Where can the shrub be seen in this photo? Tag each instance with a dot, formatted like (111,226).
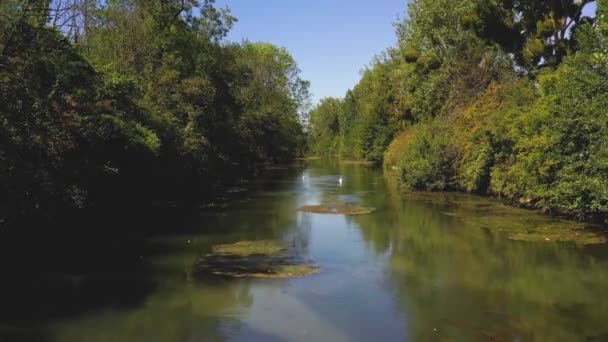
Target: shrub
(428,160)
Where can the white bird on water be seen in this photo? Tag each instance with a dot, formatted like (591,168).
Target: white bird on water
(340,180)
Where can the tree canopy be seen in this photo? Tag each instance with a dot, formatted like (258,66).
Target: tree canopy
(109,102)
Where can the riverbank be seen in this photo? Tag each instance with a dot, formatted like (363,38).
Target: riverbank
(515,219)
(490,212)
(482,111)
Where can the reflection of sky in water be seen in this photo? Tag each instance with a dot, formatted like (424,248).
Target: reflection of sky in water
(348,291)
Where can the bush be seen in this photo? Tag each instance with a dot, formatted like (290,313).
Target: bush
(428,161)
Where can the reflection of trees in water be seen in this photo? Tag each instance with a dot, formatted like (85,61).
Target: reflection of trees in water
(190,313)
(474,284)
(182,309)
(359,180)
(299,238)
(268,214)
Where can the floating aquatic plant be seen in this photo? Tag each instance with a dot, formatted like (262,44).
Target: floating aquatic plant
(255,259)
(338,208)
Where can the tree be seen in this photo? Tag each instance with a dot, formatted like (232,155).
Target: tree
(136,101)
(273,96)
(326,126)
(538,33)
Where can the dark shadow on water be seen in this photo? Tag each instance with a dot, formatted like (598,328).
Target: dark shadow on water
(87,261)
(25,334)
(90,260)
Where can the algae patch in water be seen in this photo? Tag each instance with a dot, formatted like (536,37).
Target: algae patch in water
(514,223)
(336,209)
(249,248)
(255,259)
(357,162)
(534,227)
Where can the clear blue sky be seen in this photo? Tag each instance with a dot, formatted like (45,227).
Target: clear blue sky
(589,10)
(332,40)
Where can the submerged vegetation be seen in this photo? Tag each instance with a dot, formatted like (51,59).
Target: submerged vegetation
(255,259)
(503,98)
(121,102)
(513,223)
(336,208)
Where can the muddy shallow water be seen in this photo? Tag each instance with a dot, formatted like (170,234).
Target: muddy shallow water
(441,267)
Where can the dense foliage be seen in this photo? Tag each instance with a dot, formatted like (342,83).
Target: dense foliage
(114,101)
(508,98)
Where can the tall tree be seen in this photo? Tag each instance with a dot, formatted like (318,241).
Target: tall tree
(539,33)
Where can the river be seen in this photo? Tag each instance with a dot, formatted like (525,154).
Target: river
(413,270)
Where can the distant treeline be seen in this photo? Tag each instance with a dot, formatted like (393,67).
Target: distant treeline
(500,97)
(118,101)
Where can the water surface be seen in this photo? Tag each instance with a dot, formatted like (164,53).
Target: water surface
(412,270)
